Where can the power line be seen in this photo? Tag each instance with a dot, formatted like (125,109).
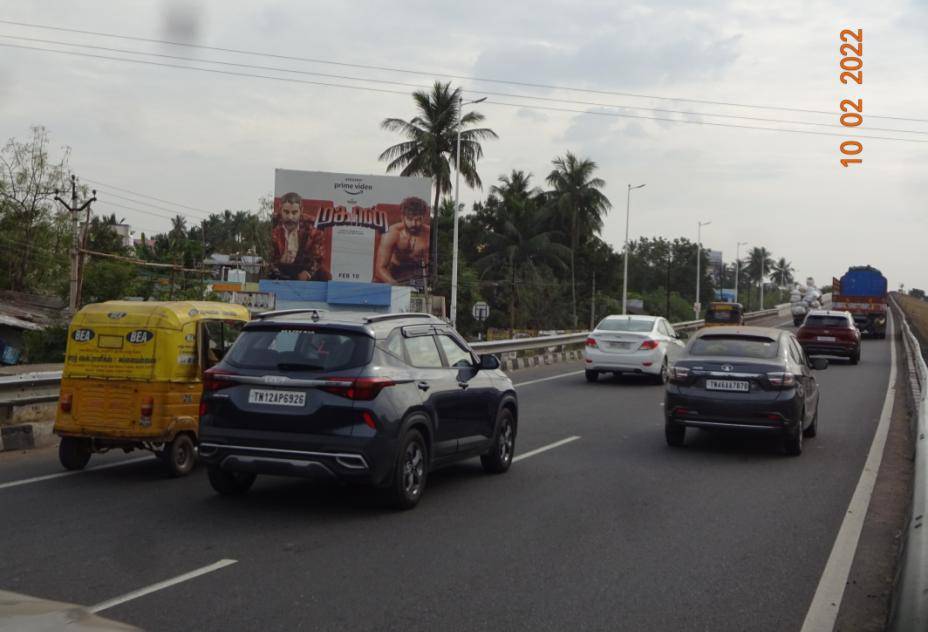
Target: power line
(437,74)
(150,197)
(469,90)
(517,105)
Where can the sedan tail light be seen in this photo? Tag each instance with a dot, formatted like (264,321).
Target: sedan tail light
(783,380)
(648,344)
(591,342)
(361,389)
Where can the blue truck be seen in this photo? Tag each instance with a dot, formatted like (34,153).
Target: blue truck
(862,292)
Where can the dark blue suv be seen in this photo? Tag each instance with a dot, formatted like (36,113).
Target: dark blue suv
(380,399)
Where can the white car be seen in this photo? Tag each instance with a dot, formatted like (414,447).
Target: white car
(632,344)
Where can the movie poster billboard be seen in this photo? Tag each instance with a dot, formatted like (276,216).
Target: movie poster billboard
(347,227)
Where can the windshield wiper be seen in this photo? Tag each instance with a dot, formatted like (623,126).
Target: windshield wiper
(299,366)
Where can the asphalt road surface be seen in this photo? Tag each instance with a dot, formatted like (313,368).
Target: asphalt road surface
(609,529)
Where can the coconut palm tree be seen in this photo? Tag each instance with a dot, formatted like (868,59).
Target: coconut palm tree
(520,248)
(783,272)
(758,266)
(579,204)
(430,148)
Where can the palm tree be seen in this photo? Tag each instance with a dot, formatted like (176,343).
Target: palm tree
(520,246)
(579,203)
(431,143)
(758,266)
(783,272)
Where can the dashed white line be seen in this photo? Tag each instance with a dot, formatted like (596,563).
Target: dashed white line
(545,448)
(546,379)
(48,477)
(141,592)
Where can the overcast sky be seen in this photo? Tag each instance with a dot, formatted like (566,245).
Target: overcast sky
(212,142)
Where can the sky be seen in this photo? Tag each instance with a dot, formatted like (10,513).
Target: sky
(209,141)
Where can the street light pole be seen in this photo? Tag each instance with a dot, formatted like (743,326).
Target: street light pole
(457,187)
(738,265)
(628,204)
(697,305)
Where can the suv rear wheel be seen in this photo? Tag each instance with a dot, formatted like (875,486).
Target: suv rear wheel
(499,457)
(230,483)
(410,472)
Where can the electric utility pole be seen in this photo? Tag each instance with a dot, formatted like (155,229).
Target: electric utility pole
(75,212)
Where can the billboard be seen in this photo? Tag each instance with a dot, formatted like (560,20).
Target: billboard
(348,227)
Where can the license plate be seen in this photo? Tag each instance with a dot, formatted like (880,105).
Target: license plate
(619,345)
(728,385)
(827,339)
(277,398)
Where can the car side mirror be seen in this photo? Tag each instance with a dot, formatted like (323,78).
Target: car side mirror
(819,364)
(488,362)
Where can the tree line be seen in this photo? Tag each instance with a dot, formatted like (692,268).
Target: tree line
(532,248)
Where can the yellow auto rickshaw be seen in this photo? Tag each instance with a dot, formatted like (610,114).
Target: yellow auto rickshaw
(724,313)
(132,377)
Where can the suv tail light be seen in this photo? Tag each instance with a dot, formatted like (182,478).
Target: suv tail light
(648,344)
(679,373)
(360,389)
(213,380)
(783,380)
(65,402)
(591,342)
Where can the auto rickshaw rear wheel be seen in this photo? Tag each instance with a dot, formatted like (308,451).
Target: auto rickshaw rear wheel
(179,455)
(74,452)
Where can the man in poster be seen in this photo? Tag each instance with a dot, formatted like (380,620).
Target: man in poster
(405,246)
(299,249)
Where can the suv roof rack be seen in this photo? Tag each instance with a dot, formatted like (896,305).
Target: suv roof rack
(286,312)
(396,316)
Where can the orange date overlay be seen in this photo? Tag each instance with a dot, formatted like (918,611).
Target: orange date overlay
(852,72)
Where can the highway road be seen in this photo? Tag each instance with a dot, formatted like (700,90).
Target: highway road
(607,529)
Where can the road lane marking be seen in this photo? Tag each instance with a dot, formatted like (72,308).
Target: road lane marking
(141,592)
(546,379)
(823,612)
(545,448)
(48,477)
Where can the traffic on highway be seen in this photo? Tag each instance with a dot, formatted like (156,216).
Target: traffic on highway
(329,316)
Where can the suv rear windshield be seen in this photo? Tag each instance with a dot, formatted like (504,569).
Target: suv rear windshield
(625,324)
(300,350)
(735,346)
(835,322)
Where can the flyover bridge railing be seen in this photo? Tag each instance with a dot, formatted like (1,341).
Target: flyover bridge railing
(542,343)
(910,597)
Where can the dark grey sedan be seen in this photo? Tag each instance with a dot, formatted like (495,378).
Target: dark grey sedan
(754,379)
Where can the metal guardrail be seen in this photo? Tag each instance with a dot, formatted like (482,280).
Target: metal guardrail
(544,342)
(910,597)
(21,389)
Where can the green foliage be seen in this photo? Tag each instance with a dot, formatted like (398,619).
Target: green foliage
(47,345)
(916,293)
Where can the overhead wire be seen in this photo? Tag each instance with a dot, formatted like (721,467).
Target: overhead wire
(476,92)
(493,102)
(436,73)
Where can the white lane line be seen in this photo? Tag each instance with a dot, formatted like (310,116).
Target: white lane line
(546,379)
(141,592)
(823,612)
(48,477)
(545,448)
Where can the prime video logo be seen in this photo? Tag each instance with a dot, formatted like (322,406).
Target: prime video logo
(353,186)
